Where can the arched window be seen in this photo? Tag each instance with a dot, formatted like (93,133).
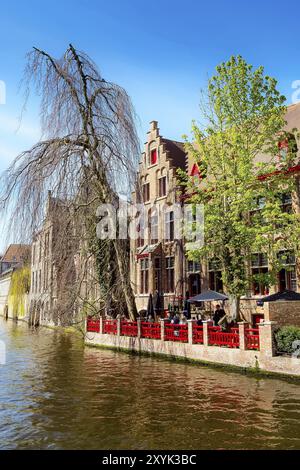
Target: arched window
(152,153)
(169,225)
(162,183)
(153,156)
(170,274)
(157,176)
(146,189)
(144,272)
(153,225)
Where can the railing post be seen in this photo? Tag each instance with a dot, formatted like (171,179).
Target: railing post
(242,334)
(162,329)
(206,323)
(139,328)
(190,330)
(266,338)
(118,326)
(101,325)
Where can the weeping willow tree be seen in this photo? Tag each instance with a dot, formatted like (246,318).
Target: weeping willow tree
(19,288)
(87,156)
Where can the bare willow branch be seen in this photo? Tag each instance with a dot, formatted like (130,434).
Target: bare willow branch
(88,155)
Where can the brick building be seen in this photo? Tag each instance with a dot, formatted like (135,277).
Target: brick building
(14,256)
(52,266)
(156,256)
(288,277)
(158,263)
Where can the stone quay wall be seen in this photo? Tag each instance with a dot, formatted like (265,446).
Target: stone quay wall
(264,359)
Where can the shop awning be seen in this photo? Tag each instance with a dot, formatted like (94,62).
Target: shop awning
(147,250)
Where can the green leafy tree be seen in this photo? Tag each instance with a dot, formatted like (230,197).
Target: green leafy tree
(242,180)
(19,288)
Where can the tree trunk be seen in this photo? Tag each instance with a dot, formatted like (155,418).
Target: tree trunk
(234,307)
(125,279)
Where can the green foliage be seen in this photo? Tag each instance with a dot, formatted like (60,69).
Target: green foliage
(106,273)
(19,287)
(285,337)
(90,308)
(244,116)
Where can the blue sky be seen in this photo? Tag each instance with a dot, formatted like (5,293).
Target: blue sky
(161,51)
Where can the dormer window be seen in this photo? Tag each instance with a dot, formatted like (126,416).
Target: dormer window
(195,174)
(283,147)
(195,170)
(153,157)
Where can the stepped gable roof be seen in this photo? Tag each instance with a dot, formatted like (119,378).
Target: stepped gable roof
(176,152)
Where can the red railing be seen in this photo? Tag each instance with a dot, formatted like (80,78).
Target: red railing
(217,337)
(93,325)
(176,332)
(252,338)
(234,330)
(150,330)
(197,334)
(110,327)
(129,328)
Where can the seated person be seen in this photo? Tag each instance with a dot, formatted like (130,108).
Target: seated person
(219,313)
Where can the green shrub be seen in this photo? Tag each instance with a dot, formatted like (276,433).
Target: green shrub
(285,337)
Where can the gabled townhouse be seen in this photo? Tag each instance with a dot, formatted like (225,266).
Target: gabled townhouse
(157,257)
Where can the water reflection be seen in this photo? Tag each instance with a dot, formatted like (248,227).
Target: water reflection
(56,394)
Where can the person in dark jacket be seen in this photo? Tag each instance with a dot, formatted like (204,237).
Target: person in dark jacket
(219,313)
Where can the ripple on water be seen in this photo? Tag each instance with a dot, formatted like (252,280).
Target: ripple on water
(56,394)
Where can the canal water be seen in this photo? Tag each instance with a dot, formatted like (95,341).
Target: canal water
(56,394)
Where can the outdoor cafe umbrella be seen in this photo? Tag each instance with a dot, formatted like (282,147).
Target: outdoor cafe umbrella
(284,295)
(157,303)
(207,296)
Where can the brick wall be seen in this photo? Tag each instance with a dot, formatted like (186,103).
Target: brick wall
(284,313)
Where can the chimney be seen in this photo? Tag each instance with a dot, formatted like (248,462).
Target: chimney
(153,125)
